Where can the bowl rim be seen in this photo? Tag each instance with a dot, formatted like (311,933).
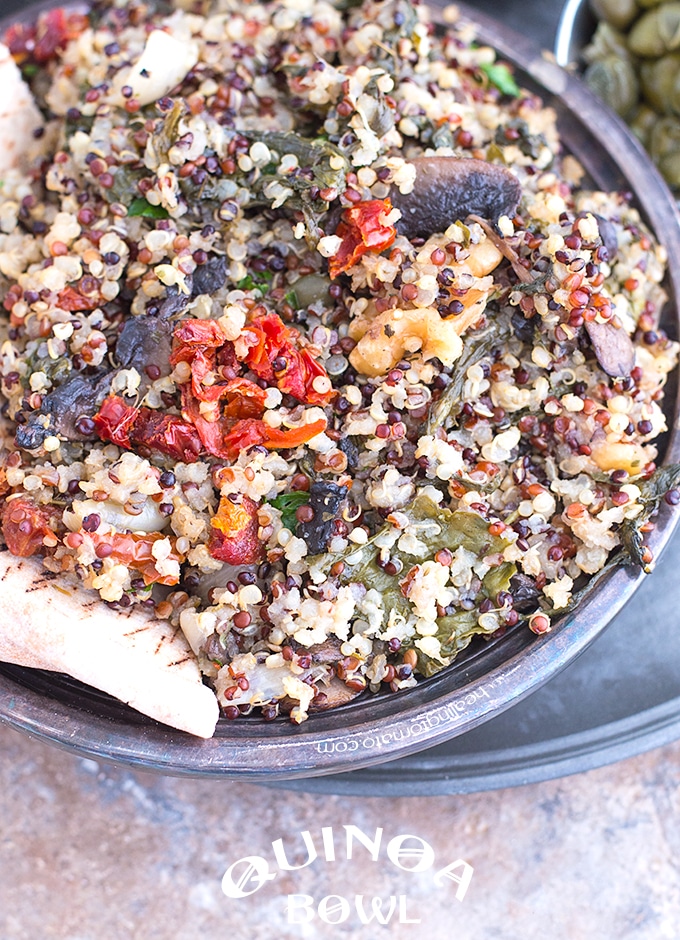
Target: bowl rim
(455,700)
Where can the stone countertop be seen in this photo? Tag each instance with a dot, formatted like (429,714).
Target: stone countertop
(91,851)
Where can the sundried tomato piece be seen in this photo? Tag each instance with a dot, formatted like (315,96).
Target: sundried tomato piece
(249,432)
(136,551)
(233,532)
(72,300)
(362,228)
(128,427)
(114,420)
(25,526)
(274,357)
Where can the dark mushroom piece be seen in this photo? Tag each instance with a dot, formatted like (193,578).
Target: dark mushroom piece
(326,653)
(325,500)
(608,235)
(175,301)
(524,592)
(449,189)
(613,348)
(144,343)
(332,695)
(209,277)
(69,409)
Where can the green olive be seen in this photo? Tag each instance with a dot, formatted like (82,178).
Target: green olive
(660,82)
(614,80)
(606,41)
(641,122)
(670,169)
(657,32)
(310,288)
(664,148)
(619,13)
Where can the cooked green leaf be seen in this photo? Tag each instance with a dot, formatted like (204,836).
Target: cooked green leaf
(652,492)
(288,504)
(477,346)
(140,206)
(501,77)
(258,280)
(435,528)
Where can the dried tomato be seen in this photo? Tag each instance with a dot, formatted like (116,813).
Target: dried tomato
(227,429)
(19,39)
(136,551)
(40,42)
(71,300)
(129,427)
(362,228)
(269,337)
(243,435)
(250,431)
(202,344)
(190,335)
(293,437)
(167,434)
(299,376)
(114,420)
(55,29)
(25,525)
(274,357)
(233,532)
(245,399)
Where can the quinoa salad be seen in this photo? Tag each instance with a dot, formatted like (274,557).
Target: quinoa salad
(313,343)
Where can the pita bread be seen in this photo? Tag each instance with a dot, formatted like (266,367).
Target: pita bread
(52,624)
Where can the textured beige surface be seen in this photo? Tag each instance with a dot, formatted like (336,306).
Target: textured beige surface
(90,851)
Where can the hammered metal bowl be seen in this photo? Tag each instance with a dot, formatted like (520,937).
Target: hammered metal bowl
(490,676)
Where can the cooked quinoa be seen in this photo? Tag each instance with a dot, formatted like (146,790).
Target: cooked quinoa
(273,369)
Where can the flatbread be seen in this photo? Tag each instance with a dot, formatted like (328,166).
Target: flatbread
(19,116)
(52,624)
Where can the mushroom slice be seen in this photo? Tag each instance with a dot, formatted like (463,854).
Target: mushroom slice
(336,692)
(449,189)
(613,348)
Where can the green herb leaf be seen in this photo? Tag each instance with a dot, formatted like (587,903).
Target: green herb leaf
(291,299)
(259,280)
(140,206)
(30,69)
(477,346)
(288,503)
(501,77)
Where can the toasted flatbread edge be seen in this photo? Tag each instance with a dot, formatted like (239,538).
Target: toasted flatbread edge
(49,623)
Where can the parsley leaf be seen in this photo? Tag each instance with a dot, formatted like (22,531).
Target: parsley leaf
(501,77)
(140,206)
(288,503)
(258,280)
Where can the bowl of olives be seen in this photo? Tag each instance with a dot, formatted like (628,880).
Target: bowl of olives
(629,55)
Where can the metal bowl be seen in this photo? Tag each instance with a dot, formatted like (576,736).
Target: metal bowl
(485,680)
